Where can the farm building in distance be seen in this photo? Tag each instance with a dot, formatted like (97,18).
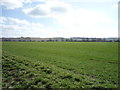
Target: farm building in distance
(33,39)
(60,39)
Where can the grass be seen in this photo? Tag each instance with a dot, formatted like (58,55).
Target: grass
(60,64)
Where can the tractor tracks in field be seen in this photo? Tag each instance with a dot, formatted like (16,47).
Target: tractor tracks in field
(31,74)
(16,73)
(98,60)
(91,77)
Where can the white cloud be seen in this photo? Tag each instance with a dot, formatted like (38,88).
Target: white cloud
(2,20)
(76,22)
(87,23)
(115,6)
(16,27)
(82,17)
(13,27)
(37,11)
(63,13)
(14,21)
(90,1)
(48,9)
(12,4)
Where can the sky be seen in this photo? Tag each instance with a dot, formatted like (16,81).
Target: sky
(59,18)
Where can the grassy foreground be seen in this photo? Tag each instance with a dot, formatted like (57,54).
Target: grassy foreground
(60,64)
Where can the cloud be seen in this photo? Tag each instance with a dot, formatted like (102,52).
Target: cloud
(48,9)
(115,6)
(91,1)
(15,27)
(58,9)
(74,22)
(64,13)
(12,4)
(2,20)
(37,11)
(87,23)
(82,17)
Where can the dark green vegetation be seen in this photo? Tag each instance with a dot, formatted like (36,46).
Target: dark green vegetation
(60,64)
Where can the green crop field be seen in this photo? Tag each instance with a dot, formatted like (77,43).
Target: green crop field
(60,64)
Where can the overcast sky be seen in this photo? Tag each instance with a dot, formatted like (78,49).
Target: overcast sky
(59,18)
